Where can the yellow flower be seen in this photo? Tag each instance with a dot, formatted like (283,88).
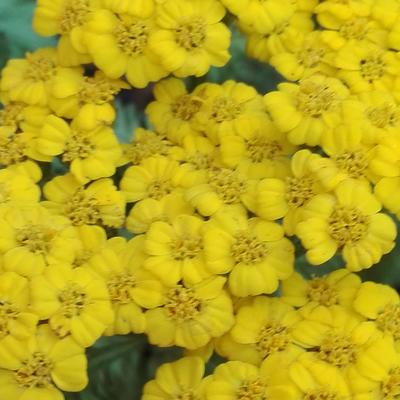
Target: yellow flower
(117,38)
(182,379)
(29,80)
(306,54)
(365,67)
(264,326)
(314,107)
(65,18)
(175,250)
(16,318)
(155,178)
(129,286)
(337,288)
(41,367)
(348,156)
(260,152)
(98,203)
(349,222)
(147,211)
(74,301)
(191,37)
(386,157)
(285,198)
(173,110)
(254,252)
(92,154)
(31,238)
(191,315)
(381,304)
(74,95)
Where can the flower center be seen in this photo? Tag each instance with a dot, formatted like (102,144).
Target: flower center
(40,68)
(251,389)
(227,184)
(299,190)
(35,372)
(78,145)
(36,238)
(159,188)
(310,56)
(182,304)
(186,247)
(354,163)
(82,209)
(186,395)
(201,161)
(320,394)
(356,28)
(388,320)
(132,35)
(8,312)
(247,249)
(260,148)
(191,34)
(73,300)
(372,68)
(391,386)
(82,258)
(11,115)
(119,287)
(12,149)
(185,107)
(320,291)
(225,109)
(272,338)
(386,115)
(97,90)
(74,14)
(347,225)
(148,145)
(314,99)
(337,350)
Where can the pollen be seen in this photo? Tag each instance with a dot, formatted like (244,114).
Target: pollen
(251,389)
(11,115)
(191,34)
(8,313)
(320,291)
(355,163)
(97,90)
(201,161)
(119,287)
(82,257)
(185,107)
(388,320)
(187,395)
(186,247)
(12,149)
(272,338)
(338,350)
(132,35)
(72,300)
(385,116)
(260,148)
(75,14)
(78,145)
(225,109)
(146,146)
(300,190)
(247,249)
(321,394)
(182,305)
(228,184)
(82,209)
(391,385)
(159,188)
(35,372)
(372,68)
(310,56)
(40,68)
(314,99)
(356,28)
(347,225)
(37,238)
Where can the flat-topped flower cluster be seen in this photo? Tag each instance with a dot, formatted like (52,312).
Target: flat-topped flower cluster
(220,194)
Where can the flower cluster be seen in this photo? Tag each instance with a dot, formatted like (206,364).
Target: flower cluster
(219,195)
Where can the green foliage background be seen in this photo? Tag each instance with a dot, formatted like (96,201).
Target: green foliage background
(119,366)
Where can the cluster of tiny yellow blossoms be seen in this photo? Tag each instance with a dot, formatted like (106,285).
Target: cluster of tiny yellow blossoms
(218,198)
